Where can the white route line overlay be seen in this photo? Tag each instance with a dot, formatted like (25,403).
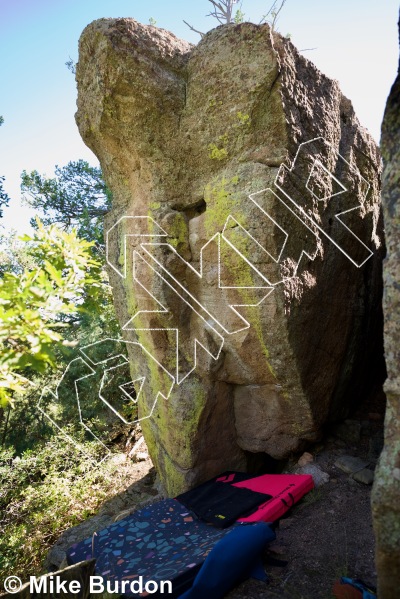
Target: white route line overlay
(343,190)
(90,364)
(160,232)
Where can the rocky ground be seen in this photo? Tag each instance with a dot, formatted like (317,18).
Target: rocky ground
(327,535)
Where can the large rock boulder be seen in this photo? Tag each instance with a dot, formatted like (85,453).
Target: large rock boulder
(252,311)
(386,492)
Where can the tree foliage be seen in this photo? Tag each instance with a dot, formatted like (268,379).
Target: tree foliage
(223,11)
(53,297)
(71,65)
(4,199)
(47,491)
(14,254)
(76,197)
(36,303)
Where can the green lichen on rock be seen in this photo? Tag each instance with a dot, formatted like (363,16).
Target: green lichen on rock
(178,231)
(222,199)
(184,134)
(218,151)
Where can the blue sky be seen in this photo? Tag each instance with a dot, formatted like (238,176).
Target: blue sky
(355,41)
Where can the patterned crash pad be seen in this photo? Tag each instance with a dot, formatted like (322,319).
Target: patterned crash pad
(164,541)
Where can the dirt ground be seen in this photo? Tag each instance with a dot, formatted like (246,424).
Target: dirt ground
(328,534)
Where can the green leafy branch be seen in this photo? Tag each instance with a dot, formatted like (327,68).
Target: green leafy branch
(36,303)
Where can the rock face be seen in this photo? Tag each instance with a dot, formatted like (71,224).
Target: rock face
(252,311)
(386,492)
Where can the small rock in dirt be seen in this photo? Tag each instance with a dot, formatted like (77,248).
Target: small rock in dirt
(348,431)
(141,456)
(350,464)
(365,476)
(136,447)
(319,476)
(306,458)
